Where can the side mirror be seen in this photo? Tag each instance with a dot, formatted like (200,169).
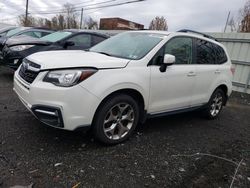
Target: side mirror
(167,61)
(68,43)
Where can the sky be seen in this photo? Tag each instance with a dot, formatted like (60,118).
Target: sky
(200,15)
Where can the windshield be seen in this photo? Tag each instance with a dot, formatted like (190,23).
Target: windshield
(14,31)
(128,45)
(5,30)
(54,37)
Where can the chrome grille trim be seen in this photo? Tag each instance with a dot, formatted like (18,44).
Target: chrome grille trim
(29,71)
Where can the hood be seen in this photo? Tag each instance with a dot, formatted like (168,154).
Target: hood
(22,40)
(76,58)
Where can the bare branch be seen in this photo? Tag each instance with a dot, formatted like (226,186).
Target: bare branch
(236,171)
(159,23)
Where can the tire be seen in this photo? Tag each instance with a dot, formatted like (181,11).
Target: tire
(215,104)
(116,119)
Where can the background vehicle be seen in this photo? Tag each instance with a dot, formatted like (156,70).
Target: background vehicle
(18,48)
(5,30)
(28,31)
(125,79)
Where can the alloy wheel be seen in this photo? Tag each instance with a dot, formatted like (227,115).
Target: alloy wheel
(216,104)
(118,121)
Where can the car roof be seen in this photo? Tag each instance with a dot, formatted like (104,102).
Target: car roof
(180,33)
(7,28)
(166,33)
(37,28)
(96,32)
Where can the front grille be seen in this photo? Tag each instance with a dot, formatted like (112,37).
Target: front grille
(29,71)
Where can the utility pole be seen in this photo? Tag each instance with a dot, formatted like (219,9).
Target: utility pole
(81,18)
(227,21)
(26,12)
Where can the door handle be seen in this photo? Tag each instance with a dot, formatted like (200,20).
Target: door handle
(217,71)
(192,73)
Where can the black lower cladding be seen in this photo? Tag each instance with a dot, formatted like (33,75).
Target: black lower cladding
(51,116)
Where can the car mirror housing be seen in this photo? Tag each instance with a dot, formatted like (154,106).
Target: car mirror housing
(68,43)
(167,61)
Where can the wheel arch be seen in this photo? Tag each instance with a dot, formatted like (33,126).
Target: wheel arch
(134,93)
(224,88)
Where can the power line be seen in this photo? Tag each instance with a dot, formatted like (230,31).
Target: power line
(60,8)
(11,18)
(91,8)
(63,9)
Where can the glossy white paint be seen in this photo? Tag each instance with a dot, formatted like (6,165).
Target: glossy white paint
(181,86)
(171,90)
(76,58)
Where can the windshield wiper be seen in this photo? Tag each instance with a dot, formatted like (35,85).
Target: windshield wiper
(104,53)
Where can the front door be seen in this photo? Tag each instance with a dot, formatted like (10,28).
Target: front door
(81,42)
(173,89)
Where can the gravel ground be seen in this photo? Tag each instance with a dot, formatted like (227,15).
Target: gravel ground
(173,151)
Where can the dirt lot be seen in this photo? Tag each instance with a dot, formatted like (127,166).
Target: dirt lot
(34,154)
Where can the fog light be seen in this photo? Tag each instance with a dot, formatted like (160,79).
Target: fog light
(16,61)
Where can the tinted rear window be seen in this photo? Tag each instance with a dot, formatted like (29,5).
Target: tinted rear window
(220,54)
(205,53)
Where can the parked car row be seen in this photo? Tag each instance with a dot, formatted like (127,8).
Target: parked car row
(121,81)
(18,43)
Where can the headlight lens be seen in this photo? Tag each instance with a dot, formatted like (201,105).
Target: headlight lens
(21,47)
(68,78)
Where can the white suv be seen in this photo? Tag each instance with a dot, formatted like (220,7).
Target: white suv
(124,80)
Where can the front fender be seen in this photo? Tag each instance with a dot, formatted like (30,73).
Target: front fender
(108,81)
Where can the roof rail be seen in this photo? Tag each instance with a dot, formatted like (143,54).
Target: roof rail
(196,32)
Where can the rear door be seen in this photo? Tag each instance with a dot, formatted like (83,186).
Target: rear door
(172,90)
(207,71)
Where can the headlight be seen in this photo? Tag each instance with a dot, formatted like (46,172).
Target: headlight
(21,47)
(68,78)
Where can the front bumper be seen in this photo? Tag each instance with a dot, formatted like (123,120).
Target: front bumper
(10,58)
(64,108)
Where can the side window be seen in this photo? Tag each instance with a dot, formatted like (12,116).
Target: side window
(44,34)
(97,39)
(220,54)
(158,57)
(205,52)
(181,48)
(37,34)
(82,40)
(29,33)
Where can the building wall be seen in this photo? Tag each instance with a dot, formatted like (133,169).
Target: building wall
(119,24)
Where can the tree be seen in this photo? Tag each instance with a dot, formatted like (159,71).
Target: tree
(31,21)
(158,23)
(67,20)
(71,16)
(244,25)
(61,21)
(91,24)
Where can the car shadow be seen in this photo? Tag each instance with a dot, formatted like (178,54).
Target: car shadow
(6,74)
(74,139)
